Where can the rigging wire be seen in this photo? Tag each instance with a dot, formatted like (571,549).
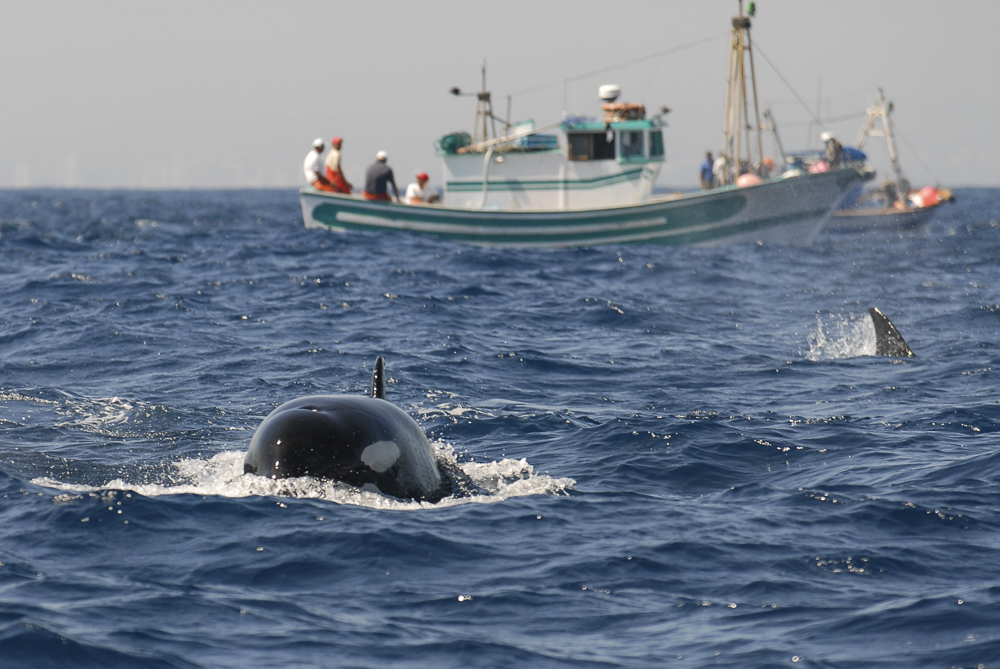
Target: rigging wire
(844,118)
(833,119)
(602,70)
(785,81)
(917,156)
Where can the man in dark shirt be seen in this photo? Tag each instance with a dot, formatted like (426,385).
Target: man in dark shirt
(377,177)
(706,171)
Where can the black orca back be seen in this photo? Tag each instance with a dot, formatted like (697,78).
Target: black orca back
(363,441)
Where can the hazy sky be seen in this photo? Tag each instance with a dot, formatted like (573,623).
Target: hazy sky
(231,94)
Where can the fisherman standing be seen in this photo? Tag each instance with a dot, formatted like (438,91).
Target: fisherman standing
(334,173)
(834,152)
(707,177)
(377,178)
(313,168)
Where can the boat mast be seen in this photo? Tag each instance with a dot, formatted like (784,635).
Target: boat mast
(756,108)
(737,104)
(484,112)
(881,110)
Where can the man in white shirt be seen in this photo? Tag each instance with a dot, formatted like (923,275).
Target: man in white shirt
(313,168)
(418,193)
(720,168)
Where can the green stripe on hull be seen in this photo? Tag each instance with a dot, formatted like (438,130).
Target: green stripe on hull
(669,233)
(562,228)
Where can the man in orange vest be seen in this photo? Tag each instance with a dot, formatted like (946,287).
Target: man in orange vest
(334,173)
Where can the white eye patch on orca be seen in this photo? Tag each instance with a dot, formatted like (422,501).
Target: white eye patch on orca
(381,455)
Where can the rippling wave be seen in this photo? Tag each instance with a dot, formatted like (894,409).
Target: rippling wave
(678,456)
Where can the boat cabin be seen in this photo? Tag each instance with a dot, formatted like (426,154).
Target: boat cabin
(585,164)
(629,142)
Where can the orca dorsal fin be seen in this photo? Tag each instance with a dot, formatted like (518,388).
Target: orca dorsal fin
(378,379)
(888,341)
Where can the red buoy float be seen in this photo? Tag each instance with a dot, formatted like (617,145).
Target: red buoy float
(929,196)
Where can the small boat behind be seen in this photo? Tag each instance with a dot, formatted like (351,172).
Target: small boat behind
(882,209)
(880,218)
(894,205)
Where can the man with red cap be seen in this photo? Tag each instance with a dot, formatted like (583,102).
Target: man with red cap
(334,173)
(418,193)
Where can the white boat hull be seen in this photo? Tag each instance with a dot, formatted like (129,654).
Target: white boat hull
(784,211)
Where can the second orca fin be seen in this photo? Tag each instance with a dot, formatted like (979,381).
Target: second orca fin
(888,341)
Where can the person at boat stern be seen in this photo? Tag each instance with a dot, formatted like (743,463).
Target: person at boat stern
(419,193)
(833,150)
(313,168)
(378,176)
(707,176)
(334,173)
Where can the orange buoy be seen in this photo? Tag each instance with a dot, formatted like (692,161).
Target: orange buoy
(929,196)
(748,179)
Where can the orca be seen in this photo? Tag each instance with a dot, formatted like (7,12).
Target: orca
(888,341)
(366,442)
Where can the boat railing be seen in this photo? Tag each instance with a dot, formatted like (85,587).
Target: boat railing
(512,138)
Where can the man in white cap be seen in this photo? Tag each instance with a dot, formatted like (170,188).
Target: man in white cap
(313,168)
(377,177)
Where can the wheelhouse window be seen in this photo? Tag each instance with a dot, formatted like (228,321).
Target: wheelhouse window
(655,143)
(632,144)
(591,146)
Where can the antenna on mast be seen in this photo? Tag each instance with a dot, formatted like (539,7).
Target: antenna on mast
(484,111)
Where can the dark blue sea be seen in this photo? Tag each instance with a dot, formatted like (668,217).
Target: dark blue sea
(684,457)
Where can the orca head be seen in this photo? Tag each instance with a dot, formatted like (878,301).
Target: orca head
(366,442)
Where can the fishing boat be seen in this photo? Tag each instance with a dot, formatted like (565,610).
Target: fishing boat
(894,205)
(588,181)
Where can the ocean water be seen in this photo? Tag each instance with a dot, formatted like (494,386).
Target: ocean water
(685,457)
